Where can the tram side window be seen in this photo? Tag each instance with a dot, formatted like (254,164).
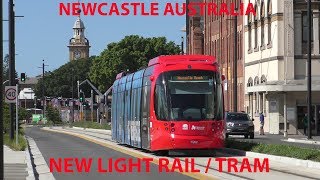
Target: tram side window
(144,102)
(161,103)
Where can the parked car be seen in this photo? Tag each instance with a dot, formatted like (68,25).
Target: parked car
(239,123)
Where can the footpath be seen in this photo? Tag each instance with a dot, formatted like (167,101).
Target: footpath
(17,165)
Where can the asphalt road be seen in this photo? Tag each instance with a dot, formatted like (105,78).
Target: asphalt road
(56,145)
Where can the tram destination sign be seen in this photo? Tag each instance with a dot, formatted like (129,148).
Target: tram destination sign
(190,78)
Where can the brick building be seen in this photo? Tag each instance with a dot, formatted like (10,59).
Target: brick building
(194,32)
(219,42)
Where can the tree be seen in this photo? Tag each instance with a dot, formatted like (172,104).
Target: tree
(59,82)
(53,115)
(131,53)
(24,114)
(6,68)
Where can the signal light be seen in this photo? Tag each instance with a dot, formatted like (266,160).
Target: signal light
(23,77)
(81,97)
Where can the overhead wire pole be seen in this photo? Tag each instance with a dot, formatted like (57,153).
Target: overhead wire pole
(11,61)
(72,96)
(235,63)
(309,69)
(1,92)
(43,90)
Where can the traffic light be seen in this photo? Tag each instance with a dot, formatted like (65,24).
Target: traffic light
(23,77)
(67,103)
(81,97)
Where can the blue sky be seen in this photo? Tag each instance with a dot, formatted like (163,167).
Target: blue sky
(43,34)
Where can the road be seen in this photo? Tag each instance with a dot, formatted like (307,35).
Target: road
(74,146)
(55,145)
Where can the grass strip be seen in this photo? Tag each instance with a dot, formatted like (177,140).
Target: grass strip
(22,143)
(276,149)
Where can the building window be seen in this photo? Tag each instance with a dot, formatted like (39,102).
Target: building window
(263,79)
(269,22)
(241,37)
(255,30)
(250,82)
(256,80)
(249,33)
(255,34)
(262,33)
(305,29)
(262,12)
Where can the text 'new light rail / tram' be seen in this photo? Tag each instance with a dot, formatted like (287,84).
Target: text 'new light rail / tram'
(176,103)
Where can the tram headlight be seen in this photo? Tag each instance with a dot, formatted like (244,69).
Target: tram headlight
(172,136)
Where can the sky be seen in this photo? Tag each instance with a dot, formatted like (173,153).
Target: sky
(42,34)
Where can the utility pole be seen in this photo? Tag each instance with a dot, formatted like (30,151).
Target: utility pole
(1,92)
(91,105)
(43,90)
(309,69)
(79,105)
(235,64)
(43,97)
(72,98)
(12,74)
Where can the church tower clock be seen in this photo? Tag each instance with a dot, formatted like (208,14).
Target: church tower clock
(78,45)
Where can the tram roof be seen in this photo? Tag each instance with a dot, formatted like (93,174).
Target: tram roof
(174,59)
(177,59)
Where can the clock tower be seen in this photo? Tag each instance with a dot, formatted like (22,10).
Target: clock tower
(78,44)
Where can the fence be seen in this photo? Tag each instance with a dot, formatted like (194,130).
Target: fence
(95,116)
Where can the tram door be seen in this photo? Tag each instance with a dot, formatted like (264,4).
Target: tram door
(145,121)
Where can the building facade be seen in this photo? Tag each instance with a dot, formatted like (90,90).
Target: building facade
(219,41)
(78,45)
(194,32)
(275,56)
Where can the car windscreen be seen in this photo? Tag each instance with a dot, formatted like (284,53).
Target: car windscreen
(237,117)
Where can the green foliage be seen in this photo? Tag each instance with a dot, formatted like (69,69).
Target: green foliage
(90,124)
(24,114)
(6,118)
(131,53)
(276,149)
(22,143)
(52,114)
(6,68)
(59,82)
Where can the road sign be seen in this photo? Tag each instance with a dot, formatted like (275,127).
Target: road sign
(10,94)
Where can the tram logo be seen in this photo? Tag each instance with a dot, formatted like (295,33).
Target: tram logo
(185,127)
(201,128)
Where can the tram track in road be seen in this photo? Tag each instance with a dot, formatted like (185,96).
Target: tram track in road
(219,153)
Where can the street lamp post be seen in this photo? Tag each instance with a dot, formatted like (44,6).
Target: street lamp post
(235,65)
(309,68)
(43,89)
(235,61)
(72,97)
(1,92)
(11,61)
